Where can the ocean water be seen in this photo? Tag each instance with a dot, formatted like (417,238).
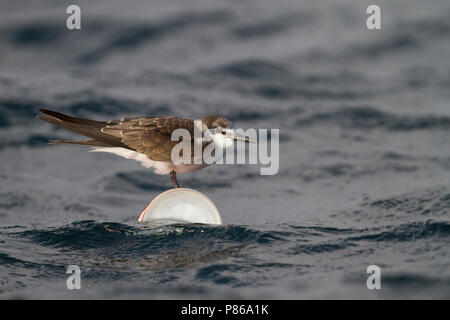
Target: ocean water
(364,119)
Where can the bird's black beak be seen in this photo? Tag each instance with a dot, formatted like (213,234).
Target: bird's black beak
(235,137)
(245,139)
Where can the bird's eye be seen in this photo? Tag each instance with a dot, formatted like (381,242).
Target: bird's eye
(218,130)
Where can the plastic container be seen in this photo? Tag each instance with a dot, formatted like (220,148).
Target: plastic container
(180,206)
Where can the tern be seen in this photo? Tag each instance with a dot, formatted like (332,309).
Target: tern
(145,139)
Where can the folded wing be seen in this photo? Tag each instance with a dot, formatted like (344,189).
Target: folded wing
(150,136)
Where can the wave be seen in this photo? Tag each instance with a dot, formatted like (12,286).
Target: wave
(251,69)
(371,118)
(407,232)
(268,28)
(17,111)
(36,33)
(93,234)
(232,256)
(147,181)
(34,140)
(130,36)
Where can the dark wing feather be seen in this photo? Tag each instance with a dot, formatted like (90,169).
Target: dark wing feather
(150,136)
(92,143)
(88,128)
(165,124)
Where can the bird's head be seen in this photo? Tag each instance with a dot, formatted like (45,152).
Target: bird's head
(221,132)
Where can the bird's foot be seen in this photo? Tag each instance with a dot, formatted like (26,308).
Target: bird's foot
(173,176)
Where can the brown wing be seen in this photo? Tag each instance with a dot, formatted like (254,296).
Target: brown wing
(150,136)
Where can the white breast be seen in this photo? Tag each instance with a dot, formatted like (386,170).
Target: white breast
(160,167)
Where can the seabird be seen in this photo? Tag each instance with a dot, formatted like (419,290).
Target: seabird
(145,139)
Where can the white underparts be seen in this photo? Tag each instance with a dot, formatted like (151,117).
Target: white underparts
(160,167)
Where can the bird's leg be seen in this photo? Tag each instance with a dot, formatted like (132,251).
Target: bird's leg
(173,176)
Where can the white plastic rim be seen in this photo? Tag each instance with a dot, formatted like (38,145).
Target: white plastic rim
(180,205)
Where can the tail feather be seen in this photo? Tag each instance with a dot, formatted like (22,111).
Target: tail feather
(86,127)
(92,143)
(63,117)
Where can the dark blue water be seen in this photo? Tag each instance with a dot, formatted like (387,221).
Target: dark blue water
(364,120)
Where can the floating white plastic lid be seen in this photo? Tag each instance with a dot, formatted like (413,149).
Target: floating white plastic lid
(180,205)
